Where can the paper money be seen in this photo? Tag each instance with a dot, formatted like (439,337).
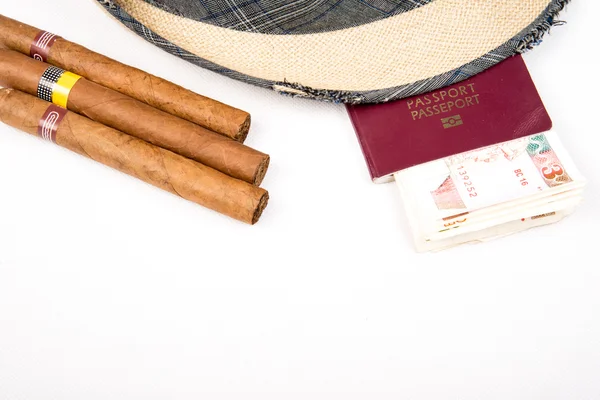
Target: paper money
(475,191)
(496,231)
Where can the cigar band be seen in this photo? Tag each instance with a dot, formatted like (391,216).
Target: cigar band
(50,121)
(40,48)
(55,85)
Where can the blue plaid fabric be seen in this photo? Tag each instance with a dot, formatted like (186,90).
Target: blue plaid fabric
(286,17)
(527,39)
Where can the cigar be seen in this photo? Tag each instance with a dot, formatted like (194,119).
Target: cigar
(140,85)
(133,117)
(152,164)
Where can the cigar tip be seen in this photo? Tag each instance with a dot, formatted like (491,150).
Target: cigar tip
(244,129)
(262,204)
(261,171)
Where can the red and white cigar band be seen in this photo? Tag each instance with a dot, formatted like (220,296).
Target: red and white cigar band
(50,121)
(40,48)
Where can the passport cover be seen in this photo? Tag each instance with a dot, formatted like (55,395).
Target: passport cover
(495,106)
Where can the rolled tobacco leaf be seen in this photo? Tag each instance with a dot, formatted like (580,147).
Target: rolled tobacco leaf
(140,85)
(133,117)
(152,164)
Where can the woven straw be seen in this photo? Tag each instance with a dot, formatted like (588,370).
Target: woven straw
(425,48)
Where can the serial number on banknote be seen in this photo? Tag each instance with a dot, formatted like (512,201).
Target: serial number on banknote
(519,174)
(467,181)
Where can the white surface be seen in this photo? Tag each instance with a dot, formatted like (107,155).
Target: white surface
(110,288)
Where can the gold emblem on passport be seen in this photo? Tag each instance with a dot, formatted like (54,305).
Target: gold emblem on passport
(452,122)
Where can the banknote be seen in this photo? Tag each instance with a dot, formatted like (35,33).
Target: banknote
(477,190)
(496,231)
(457,187)
(517,221)
(500,173)
(481,218)
(540,207)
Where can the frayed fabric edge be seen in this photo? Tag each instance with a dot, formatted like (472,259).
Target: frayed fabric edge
(334,96)
(526,43)
(538,32)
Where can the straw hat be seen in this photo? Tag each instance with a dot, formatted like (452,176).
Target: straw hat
(353,51)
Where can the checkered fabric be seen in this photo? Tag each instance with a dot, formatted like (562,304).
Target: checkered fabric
(276,17)
(286,17)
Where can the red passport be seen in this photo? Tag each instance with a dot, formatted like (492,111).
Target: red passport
(498,105)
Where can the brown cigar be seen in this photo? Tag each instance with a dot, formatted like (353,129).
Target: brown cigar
(138,119)
(140,85)
(152,164)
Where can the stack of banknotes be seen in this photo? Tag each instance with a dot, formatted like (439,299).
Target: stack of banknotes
(490,192)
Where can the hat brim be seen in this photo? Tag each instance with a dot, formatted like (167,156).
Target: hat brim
(413,52)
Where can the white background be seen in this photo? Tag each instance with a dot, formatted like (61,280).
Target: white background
(110,288)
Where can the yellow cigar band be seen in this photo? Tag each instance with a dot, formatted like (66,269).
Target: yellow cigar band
(62,88)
